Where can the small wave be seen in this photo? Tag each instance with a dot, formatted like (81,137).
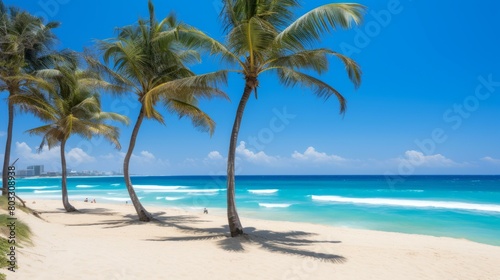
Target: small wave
(275,205)
(118,198)
(170,198)
(36,188)
(115,185)
(393,190)
(43,191)
(189,191)
(158,187)
(86,186)
(271,191)
(410,203)
(173,198)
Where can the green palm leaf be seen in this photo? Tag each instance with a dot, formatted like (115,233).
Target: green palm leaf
(308,28)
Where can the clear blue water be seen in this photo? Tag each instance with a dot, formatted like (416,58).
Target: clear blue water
(454,206)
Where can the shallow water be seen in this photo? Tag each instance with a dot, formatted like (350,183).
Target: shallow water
(455,206)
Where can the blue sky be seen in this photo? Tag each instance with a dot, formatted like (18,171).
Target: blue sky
(427,105)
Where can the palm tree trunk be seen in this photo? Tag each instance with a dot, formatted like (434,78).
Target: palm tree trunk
(143,214)
(8,144)
(235,226)
(67,205)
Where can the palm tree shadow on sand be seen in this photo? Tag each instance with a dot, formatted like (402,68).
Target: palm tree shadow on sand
(288,242)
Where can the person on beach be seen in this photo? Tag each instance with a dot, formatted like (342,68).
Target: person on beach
(86,199)
(205,211)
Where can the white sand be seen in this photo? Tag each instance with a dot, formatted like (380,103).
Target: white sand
(105,241)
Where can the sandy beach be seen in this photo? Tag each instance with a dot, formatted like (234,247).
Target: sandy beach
(105,241)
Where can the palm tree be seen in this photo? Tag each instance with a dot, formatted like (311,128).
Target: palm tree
(150,59)
(71,106)
(25,42)
(261,37)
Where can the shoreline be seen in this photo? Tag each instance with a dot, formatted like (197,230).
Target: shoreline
(186,245)
(252,214)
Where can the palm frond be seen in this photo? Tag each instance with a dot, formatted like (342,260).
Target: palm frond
(316,60)
(308,28)
(205,85)
(198,118)
(291,78)
(194,38)
(35,104)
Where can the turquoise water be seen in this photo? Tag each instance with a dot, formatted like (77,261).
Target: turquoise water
(455,206)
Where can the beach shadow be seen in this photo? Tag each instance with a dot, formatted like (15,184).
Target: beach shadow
(94,211)
(184,223)
(290,242)
(296,243)
(120,221)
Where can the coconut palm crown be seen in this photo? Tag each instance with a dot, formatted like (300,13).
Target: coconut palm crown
(25,45)
(264,36)
(150,60)
(71,106)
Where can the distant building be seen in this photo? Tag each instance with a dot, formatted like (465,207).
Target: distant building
(24,173)
(35,170)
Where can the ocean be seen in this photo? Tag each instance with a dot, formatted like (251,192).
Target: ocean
(454,206)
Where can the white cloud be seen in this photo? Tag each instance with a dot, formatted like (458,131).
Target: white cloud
(50,158)
(77,156)
(491,160)
(144,157)
(26,153)
(147,155)
(143,163)
(109,156)
(417,158)
(259,157)
(310,154)
(214,155)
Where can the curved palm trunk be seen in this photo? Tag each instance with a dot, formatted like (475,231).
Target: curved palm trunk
(143,214)
(8,144)
(67,205)
(235,226)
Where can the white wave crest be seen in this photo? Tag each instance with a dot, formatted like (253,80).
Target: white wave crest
(43,191)
(188,191)
(275,205)
(270,191)
(36,188)
(118,198)
(115,185)
(86,186)
(173,198)
(169,198)
(158,187)
(410,203)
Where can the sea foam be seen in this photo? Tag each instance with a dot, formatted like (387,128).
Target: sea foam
(275,205)
(271,191)
(188,191)
(173,198)
(36,188)
(44,191)
(118,198)
(158,187)
(86,186)
(410,203)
